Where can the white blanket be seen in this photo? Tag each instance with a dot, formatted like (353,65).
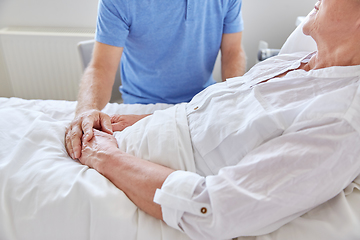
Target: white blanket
(44,194)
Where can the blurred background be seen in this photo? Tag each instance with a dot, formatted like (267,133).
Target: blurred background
(265,20)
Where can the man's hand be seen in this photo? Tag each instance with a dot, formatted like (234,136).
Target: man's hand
(120,122)
(81,130)
(98,149)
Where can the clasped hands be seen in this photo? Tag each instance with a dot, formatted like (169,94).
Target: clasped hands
(89,136)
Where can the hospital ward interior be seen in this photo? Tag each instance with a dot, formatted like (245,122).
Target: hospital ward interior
(283,160)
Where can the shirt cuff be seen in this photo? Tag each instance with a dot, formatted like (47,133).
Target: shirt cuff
(175,198)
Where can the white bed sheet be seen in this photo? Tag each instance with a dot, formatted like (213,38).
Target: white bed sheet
(44,194)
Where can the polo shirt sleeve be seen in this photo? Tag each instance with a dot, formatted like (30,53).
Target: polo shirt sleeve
(274,184)
(233,21)
(112,26)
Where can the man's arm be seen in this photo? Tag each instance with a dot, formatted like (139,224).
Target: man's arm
(233,59)
(94,94)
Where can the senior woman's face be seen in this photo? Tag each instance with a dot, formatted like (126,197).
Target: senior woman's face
(333,17)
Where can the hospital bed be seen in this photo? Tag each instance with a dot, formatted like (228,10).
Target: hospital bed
(45,195)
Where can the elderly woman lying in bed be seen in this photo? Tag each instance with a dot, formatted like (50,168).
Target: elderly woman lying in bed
(259,150)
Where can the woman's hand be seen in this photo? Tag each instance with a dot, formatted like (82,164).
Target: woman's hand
(120,122)
(81,129)
(137,178)
(97,151)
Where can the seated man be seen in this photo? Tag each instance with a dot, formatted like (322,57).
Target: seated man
(259,151)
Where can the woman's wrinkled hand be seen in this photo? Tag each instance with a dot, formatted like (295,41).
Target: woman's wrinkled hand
(81,129)
(120,122)
(98,150)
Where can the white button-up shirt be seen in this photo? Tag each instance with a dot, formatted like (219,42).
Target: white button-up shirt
(266,151)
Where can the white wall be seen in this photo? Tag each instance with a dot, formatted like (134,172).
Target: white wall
(268,20)
(48,13)
(271,21)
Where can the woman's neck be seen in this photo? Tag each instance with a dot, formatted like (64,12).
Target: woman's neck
(346,54)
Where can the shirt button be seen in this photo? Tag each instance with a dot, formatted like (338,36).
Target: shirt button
(203,210)
(196,108)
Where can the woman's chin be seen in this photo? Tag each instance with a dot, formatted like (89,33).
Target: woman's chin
(308,24)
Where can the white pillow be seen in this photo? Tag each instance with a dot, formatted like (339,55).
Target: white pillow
(298,41)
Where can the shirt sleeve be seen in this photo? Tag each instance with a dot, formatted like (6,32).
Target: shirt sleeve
(233,21)
(275,183)
(112,26)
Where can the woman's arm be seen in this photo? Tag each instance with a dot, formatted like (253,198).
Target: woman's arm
(120,122)
(136,177)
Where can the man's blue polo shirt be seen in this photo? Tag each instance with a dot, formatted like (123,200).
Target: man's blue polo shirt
(170,46)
